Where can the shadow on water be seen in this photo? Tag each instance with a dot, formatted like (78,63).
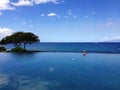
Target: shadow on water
(26,54)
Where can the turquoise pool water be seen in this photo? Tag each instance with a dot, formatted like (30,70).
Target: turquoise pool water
(59,71)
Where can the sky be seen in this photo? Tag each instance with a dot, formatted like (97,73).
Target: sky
(62,20)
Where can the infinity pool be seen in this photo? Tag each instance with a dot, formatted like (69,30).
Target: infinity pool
(59,71)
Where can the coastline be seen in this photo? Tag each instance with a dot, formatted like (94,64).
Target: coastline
(89,52)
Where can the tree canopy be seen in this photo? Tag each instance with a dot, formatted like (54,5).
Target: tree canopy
(20,38)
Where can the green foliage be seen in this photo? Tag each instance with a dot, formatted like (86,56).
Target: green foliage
(5,40)
(20,38)
(18,49)
(2,49)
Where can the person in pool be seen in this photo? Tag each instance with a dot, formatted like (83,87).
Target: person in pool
(84,52)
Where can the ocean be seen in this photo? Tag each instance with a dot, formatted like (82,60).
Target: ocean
(60,68)
(76,47)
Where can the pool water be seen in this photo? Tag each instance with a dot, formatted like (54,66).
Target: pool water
(59,71)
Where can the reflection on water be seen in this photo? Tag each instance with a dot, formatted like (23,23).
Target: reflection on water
(51,69)
(59,71)
(4,80)
(26,83)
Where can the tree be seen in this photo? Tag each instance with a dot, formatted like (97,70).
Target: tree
(20,38)
(29,38)
(5,40)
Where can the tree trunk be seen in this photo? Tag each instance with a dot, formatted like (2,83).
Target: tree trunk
(17,45)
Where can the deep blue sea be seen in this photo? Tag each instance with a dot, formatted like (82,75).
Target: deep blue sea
(103,47)
(76,47)
(62,68)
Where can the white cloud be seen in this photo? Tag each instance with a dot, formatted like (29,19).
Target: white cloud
(69,12)
(5,32)
(10,5)
(111,38)
(23,3)
(52,15)
(42,14)
(32,2)
(45,1)
(106,38)
(5,5)
(116,37)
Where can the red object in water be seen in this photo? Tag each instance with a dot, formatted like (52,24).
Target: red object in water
(84,52)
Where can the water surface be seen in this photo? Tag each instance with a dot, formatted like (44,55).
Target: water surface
(103,47)
(59,71)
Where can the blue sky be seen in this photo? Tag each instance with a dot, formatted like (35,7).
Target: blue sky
(62,20)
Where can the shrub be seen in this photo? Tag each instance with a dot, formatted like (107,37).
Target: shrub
(18,49)
(2,49)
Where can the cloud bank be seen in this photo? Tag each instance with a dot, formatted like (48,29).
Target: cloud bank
(114,38)
(10,5)
(5,32)
(6,5)
(23,3)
